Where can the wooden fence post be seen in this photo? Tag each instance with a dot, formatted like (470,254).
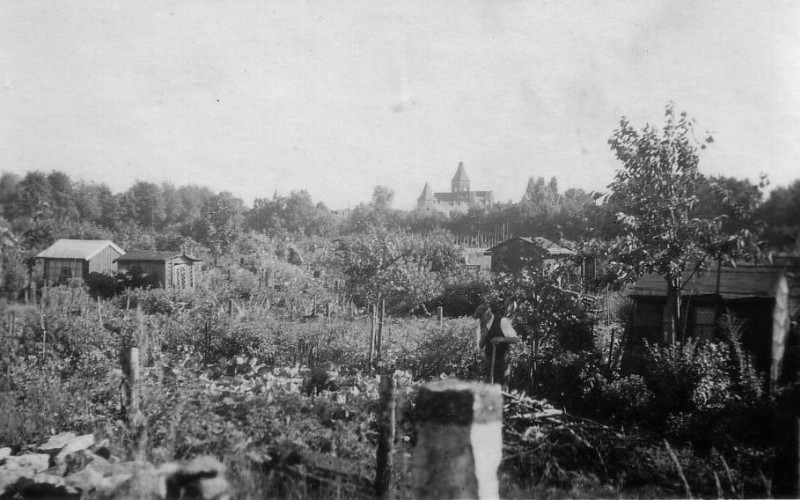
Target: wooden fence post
(137,428)
(379,335)
(440,314)
(372,337)
(386,437)
(43,325)
(459,440)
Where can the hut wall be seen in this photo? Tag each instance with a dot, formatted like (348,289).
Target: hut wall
(104,261)
(516,255)
(150,267)
(59,270)
(648,322)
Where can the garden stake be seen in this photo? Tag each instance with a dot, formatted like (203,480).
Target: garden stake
(494,352)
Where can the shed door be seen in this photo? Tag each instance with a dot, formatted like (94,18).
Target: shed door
(180,276)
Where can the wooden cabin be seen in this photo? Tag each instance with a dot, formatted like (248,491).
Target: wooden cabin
(174,270)
(66,259)
(758,295)
(516,254)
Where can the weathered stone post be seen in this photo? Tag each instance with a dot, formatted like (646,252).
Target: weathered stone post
(459,440)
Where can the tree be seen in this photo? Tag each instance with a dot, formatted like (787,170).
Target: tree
(87,202)
(298,211)
(781,213)
(62,197)
(147,203)
(221,223)
(382,198)
(405,270)
(540,199)
(34,196)
(7,243)
(9,186)
(654,199)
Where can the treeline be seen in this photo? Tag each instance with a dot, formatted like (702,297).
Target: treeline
(38,208)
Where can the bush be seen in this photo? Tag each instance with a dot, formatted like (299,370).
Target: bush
(103,285)
(627,399)
(460,298)
(451,351)
(571,379)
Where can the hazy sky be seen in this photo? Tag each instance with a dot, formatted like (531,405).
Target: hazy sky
(337,97)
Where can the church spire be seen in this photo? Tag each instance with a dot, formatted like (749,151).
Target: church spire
(427,193)
(460,182)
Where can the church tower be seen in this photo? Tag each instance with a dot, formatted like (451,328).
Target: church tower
(426,198)
(460,182)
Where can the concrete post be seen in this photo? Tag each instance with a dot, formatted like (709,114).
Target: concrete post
(459,441)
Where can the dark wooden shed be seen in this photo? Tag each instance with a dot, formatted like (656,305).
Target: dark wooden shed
(516,254)
(66,259)
(173,270)
(758,295)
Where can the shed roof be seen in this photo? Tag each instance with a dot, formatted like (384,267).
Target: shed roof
(146,255)
(77,249)
(552,249)
(734,283)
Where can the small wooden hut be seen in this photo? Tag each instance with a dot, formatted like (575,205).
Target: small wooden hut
(174,270)
(66,259)
(758,295)
(516,254)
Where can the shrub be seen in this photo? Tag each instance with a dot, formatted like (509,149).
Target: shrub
(460,298)
(451,351)
(627,399)
(103,285)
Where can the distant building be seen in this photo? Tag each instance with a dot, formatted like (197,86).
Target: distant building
(174,270)
(66,259)
(459,199)
(518,253)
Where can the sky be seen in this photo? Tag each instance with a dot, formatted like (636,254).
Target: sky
(258,97)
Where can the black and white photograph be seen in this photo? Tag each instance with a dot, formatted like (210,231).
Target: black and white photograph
(404,250)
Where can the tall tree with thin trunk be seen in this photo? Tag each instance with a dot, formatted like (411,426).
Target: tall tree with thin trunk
(654,198)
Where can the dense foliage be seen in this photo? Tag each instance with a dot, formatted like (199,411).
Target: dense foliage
(654,197)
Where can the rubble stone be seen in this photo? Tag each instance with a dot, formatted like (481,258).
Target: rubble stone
(35,462)
(56,443)
(79,443)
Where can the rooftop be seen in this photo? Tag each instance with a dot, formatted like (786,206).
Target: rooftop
(146,255)
(734,283)
(77,249)
(552,248)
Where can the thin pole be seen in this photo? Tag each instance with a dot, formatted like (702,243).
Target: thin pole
(372,337)
(494,353)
